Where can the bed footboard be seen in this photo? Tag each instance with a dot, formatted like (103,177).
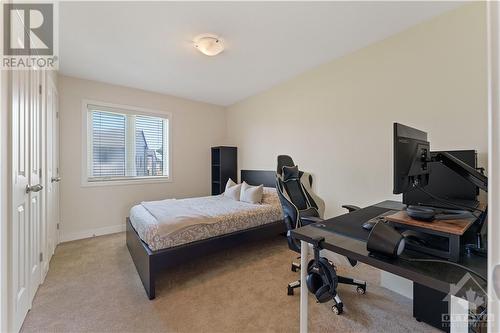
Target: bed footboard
(148,263)
(142,258)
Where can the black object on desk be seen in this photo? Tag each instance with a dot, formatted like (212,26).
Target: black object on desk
(412,171)
(345,236)
(445,237)
(446,183)
(368,225)
(385,240)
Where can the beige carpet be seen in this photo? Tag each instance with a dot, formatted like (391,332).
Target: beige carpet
(92,286)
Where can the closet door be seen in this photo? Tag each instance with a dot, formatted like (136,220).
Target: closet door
(26,192)
(53,177)
(20,236)
(35,183)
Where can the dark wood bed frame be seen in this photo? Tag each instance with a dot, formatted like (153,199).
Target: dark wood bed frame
(149,263)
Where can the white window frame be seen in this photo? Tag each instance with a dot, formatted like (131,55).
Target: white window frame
(86,155)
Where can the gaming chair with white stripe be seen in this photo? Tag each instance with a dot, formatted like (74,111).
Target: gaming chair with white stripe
(299,209)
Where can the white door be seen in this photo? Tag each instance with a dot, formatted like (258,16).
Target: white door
(56,176)
(26,180)
(494,167)
(52,167)
(44,264)
(35,194)
(20,292)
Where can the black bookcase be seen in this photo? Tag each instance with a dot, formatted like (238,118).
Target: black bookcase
(224,166)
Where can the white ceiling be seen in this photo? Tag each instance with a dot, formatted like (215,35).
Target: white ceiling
(148,45)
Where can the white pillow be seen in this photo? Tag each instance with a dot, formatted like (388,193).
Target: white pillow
(251,194)
(233,190)
(270,196)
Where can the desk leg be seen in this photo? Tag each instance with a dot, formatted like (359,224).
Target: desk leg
(304,254)
(454,248)
(459,312)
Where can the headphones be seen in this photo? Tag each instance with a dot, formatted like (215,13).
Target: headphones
(322,279)
(424,213)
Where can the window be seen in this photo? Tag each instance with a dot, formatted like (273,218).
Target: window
(124,144)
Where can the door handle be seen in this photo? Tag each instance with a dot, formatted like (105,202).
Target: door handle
(55,179)
(34,188)
(496,279)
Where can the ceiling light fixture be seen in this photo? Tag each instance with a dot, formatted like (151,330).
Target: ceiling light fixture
(208,44)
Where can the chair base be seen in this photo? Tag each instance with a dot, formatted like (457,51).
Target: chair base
(360,285)
(338,306)
(291,286)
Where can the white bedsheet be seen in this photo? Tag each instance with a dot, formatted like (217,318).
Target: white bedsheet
(173,215)
(168,223)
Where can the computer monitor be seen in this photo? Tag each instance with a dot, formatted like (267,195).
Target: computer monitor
(412,160)
(411,157)
(447,184)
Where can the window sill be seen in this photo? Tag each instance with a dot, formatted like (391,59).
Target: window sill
(130,181)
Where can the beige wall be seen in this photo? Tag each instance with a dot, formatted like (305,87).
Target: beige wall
(336,120)
(96,210)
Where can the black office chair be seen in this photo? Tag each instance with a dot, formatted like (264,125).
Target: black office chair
(300,209)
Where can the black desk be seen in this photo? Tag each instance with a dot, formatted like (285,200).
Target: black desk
(345,236)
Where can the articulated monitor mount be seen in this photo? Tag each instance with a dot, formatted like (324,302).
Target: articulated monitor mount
(463,169)
(475,177)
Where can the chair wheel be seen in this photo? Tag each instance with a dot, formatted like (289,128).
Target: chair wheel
(290,291)
(338,309)
(361,290)
(294,269)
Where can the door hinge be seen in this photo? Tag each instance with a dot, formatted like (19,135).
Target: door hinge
(41,256)
(57,226)
(57,115)
(40,89)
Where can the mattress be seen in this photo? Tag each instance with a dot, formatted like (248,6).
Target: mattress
(222,215)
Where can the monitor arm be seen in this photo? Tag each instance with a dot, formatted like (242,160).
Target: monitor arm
(461,168)
(475,177)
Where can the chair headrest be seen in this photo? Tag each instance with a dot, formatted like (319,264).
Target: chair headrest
(290,172)
(284,160)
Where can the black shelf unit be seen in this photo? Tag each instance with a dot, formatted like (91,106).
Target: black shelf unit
(224,166)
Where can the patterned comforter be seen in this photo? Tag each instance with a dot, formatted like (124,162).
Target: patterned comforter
(222,215)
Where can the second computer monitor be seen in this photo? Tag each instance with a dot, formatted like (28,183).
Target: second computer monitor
(447,184)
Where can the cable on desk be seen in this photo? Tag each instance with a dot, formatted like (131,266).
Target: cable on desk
(447,201)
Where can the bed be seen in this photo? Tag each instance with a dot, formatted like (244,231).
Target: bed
(205,225)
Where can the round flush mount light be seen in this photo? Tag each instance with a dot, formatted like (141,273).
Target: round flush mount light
(208,44)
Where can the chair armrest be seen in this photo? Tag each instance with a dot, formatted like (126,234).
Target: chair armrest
(310,219)
(351,208)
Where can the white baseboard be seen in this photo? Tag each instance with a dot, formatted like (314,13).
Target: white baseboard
(67,237)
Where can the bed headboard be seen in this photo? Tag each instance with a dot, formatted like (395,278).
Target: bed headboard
(257,177)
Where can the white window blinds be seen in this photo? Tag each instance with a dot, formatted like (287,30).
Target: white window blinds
(108,144)
(124,145)
(149,148)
